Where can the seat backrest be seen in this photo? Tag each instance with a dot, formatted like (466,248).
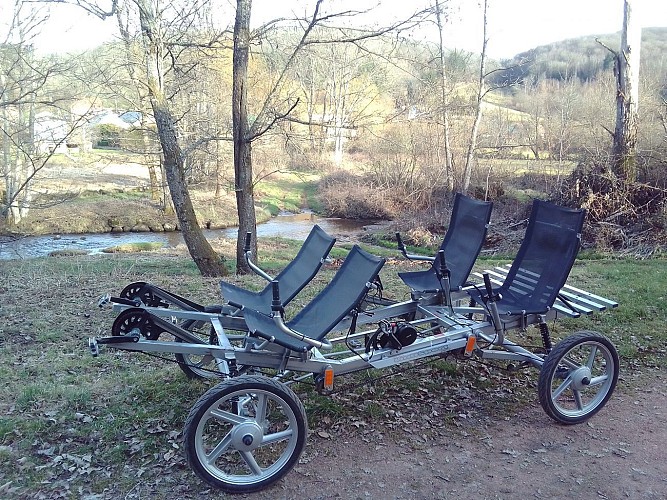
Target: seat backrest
(464,238)
(347,288)
(298,273)
(545,257)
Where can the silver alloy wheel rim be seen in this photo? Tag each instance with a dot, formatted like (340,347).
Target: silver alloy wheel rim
(249,425)
(586,385)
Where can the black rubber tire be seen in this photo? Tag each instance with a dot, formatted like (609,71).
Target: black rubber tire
(576,378)
(224,399)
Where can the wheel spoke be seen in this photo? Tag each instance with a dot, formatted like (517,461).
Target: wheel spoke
(598,380)
(591,356)
(244,401)
(225,416)
(252,463)
(572,365)
(219,449)
(577,400)
(262,403)
(561,388)
(276,436)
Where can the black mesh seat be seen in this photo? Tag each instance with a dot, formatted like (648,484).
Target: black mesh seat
(543,262)
(345,291)
(293,278)
(461,245)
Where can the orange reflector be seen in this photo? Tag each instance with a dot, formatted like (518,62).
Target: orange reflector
(470,345)
(328,378)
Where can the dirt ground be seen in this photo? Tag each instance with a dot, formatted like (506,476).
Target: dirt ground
(619,453)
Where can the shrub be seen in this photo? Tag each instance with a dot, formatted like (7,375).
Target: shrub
(346,195)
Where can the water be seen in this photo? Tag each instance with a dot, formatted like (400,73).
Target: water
(295,226)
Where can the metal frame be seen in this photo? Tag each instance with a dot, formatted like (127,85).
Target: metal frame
(451,328)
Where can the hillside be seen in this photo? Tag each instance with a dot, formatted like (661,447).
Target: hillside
(583,58)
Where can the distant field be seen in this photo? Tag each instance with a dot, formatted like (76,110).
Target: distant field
(516,167)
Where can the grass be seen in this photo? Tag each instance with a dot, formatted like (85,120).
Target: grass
(134,247)
(135,194)
(291,192)
(76,426)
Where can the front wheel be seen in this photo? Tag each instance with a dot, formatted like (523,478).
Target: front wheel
(578,377)
(245,433)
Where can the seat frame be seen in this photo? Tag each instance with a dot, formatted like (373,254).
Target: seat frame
(458,251)
(300,271)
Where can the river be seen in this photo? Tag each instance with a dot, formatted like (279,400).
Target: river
(295,226)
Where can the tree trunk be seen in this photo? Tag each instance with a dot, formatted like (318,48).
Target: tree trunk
(206,259)
(465,184)
(447,150)
(624,153)
(152,175)
(245,199)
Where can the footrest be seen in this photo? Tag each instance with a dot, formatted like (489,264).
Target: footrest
(125,302)
(94,342)
(117,339)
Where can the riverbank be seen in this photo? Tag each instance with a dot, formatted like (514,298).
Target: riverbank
(109,192)
(294,226)
(124,212)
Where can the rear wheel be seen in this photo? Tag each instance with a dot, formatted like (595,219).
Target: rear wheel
(578,377)
(199,367)
(245,434)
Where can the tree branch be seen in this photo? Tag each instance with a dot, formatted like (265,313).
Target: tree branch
(90,7)
(276,118)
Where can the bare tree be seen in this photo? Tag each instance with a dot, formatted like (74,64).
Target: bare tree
(627,96)
(153,37)
(626,70)
(34,119)
(318,28)
(444,98)
(245,199)
(160,56)
(481,92)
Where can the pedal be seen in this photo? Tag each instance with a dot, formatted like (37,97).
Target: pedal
(104,300)
(94,347)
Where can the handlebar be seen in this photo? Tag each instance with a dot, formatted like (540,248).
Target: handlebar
(487,284)
(246,244)
(491,296)
(248,258)
(405,253)
(443,270)
(401,246)
(276,304)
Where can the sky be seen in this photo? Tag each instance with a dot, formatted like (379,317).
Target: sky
(513,25)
